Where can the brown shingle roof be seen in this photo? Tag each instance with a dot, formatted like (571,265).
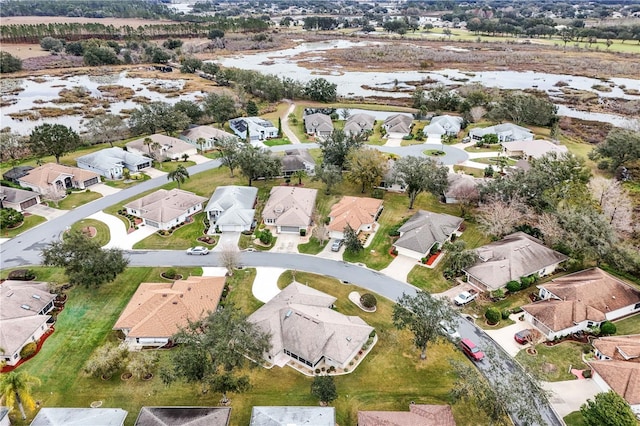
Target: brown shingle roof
(163,206)
(46,174)
(290,206)
(622,348)
(418,415)
(353,211)
(159,309)
(621,376)
(559,314)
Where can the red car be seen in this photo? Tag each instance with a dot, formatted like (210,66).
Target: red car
(523,336)
(471,350)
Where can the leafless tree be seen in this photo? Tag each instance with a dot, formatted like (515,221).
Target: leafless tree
(466,195)
(614,203)
(12,147)
(54,194)
(551,230)
(477,113)
(230,258)
(498,218)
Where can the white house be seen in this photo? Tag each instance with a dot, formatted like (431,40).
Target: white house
(305,330)
(232,208)
(289,208)
(163,209)
(423,230)
(443,125)
(511,258)
(360,213)
(50,416)
(162,147)
(209,134)
(111,162)
(259,128)
(318,124)
(529,149)
(506,132)
(359,123)
(398,124)
(581,300)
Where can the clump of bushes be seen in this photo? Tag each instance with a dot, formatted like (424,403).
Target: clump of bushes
(607,328)
(368,300)
(28,350)
(265,236)
(21,275)
(513,286)
(493,315)
(170,273)
(505,314)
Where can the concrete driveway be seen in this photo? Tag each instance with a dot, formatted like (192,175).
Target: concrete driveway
(45,211)
(328,254)
(265,285)
(400,267)
(153,173)
(227,239)
(103,189)
(504,336)
(286,243)
(568,396)
(199,159)
(119,236)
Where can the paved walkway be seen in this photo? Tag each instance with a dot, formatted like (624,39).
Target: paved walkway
(504,336)
(119,236)
(265,286)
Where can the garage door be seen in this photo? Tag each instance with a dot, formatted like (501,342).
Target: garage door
(90,182)
(291,229)
(28,203)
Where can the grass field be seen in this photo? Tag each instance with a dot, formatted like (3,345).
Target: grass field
(630,325)
(574,419)
(552,363)
(76,199)
(182,238)
(103,235)
(28,223)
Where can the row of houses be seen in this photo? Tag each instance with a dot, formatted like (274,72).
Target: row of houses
(321,125)
(418,415)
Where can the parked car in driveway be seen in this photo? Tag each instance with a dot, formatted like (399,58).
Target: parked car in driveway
(465,297)
(449,331)
(198,250)
(524,336)
(336,245)
(471,350)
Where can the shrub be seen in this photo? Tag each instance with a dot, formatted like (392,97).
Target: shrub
(513,286)
(303,232)
(608,328)
(377,193)
(586,374)
(10,218)
(331,369)
(505,314)
(434,249)
(317,371)
(170,273)
(368,300)
(493,315)
(21,275)
(527,281)
(28,350)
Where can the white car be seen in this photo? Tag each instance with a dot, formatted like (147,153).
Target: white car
(198,250)
(449,331)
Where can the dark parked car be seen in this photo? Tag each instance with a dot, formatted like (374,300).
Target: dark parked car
(523,336)
(471,350)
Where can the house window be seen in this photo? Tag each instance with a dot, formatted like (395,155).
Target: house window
(636,307)
(589,323)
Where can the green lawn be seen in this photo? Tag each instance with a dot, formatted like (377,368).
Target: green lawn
(552,363)
(86,323)
(574,419)
(76,199)
(430,280)
(169,166)
(493,161)
(121,184)
(275,142)
(312,247)
(103,234)
(29,222)
(182,238)
(486,148)
(469,170)
(630,325)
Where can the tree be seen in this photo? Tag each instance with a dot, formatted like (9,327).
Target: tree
(185,157)
(421,314)
(12,147)
(498,218)
(15,388)
(256,163)
(621,147)
(607,409)
(225,382)
(190,65)
(352,243)
(320,90)
(53,139)
(179,175)
(252,109)
(95,55)
(142,364)
(366,166)
(228,149)
(457,258)
(299,174)
(83,260)
(614,203)
(324,388)
(219,344)
(9,63)
(230,258)
(9,217)
(489,139)
(107,128)
(52,44)
(419,175)
(337,146)
(329,174)
(190,109)
(106,360)
(523,108)
(155,116)
(219,107)
(148,142)
(587,235)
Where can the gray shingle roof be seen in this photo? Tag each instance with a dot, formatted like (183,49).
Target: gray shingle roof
(183,416)
(80,417)
(108,158)
(15,195)
(425,228)
(290,416)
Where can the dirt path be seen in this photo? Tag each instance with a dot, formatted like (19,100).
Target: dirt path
(285,124)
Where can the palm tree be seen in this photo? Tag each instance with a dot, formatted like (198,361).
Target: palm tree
(300,174)
(200,142)
(148,142)
(179,175)
(15,387)
(185,157)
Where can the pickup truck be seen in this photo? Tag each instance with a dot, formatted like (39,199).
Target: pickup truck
(465,297)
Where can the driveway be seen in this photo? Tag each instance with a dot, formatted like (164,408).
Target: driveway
(227,239)
(119,236)
(153,172)
(328,254)
(265,285)
(568,396)
(199,159)
(285,125)
(103,189)
(504,336)
(454,291)
(45,211)
(400,267)
(286,243)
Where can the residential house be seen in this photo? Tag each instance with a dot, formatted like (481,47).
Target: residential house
(398,124)
(418,415)
(17,199)
(443,125)
(111,162)
(295,160)
(318,125)
(162,147)
(581,300)
(4,416)
(461,188)
(305,330)
(24,316)
(390,181)
(359,123)
(511,258)
(289,208)
(617,367)
(163,209)
(209,134)
(157,311)
(259,129)
(425,230)
(289,416)
(529,149)
(506,132)
(52,177)
(80,416)
(14,174)
(232,208)
(360,213)
(184,416)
